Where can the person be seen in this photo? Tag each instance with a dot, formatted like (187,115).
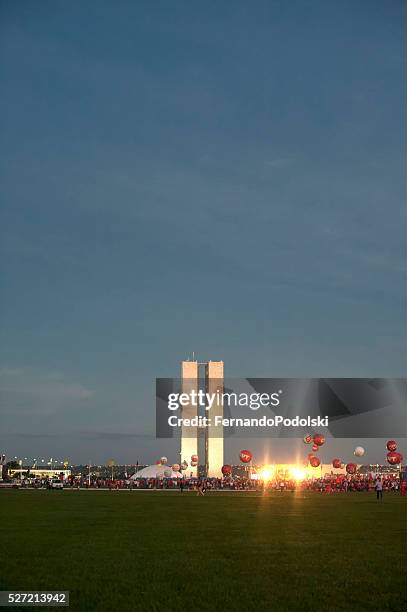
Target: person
(379,488)
(201,488)
(181,485)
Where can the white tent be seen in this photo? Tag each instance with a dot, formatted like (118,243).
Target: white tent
(156,471)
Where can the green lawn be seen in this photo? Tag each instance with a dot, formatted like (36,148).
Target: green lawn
(172,551)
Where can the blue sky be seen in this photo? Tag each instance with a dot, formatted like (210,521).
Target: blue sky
(227,178)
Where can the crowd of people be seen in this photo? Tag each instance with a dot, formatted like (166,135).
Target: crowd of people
(339,484)
(330,483)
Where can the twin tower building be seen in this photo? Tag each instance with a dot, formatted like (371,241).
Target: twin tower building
(206,442)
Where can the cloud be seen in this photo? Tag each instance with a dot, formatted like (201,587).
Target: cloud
(26,391)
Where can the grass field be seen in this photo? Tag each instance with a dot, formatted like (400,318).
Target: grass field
(172,551)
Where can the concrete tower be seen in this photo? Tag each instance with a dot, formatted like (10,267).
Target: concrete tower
(189,436)
(213,456)
(214,434)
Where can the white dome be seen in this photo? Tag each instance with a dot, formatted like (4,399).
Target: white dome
(151,471)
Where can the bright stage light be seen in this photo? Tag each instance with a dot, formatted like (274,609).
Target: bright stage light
(298,473)
(267,473)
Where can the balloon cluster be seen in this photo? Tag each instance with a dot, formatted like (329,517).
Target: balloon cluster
(176,467)
(184,465)
(317,440)
(245,456)
(351,468)
(393,456)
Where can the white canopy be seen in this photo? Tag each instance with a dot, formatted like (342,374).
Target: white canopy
(156,471)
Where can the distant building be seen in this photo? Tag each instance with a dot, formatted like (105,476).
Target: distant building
(213,436)
(38,472)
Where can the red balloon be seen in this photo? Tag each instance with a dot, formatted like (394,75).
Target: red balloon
(351,468)
(391,445)
(394,458)
(245,456)
(315,462)
(337,463)
(308,439)
(226,470)
(319,439)
(315,448)
(309,456)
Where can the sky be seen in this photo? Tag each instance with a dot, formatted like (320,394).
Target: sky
(224,178)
